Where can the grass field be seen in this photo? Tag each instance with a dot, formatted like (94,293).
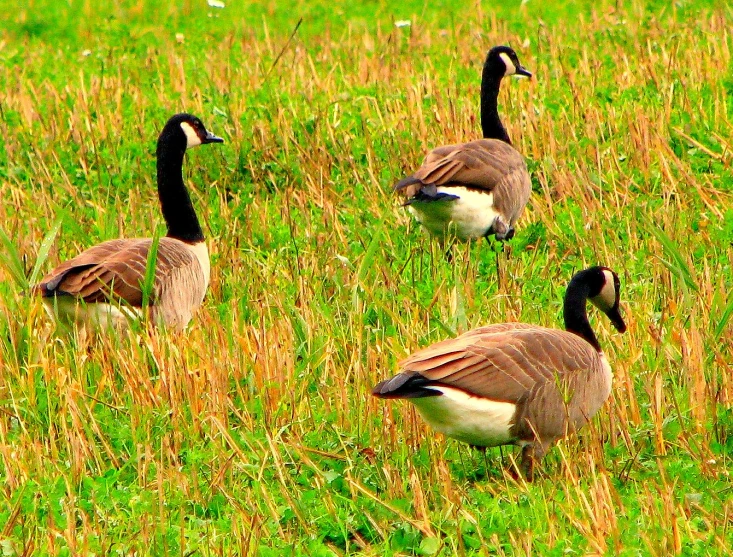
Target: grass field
(255,433)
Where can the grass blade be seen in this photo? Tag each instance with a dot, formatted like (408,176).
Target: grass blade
(43,250)
(727,312)
(371,252)
(10,259)
(677,263)
(147,285)
(364,266)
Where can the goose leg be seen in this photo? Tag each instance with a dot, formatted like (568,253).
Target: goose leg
(532,453)
(528,463)
(486,461)
(497,247)
(498,268)
(449,245)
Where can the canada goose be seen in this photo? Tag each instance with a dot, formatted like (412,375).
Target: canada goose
(515,383)
(474,189)
(103,285)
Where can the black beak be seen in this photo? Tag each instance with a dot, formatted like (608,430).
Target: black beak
(522,71)
(618,321)
(211,138)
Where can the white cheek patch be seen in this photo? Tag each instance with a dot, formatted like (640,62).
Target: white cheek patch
(511,69)
(607,296)
(192,137)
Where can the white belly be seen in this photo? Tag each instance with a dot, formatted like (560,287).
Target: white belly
(470,216)
(96,316)
(473,420)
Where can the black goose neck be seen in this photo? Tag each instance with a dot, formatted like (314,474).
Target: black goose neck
(175,201)
(574,313)
(491,125)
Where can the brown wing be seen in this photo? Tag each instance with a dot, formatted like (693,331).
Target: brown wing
(505,362)
(116,270)
(486,164)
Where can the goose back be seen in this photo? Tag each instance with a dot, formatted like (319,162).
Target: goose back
(114,271)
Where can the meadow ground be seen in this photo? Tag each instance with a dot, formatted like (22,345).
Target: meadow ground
(254,433)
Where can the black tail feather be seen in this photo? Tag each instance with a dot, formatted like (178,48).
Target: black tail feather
(408,181)
(405,385)
(428,194)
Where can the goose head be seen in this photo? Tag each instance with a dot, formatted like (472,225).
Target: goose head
(605,293)
(186,131)
(502,61)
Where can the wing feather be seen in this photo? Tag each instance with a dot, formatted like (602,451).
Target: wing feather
(480,164)
(505,362)
(116,270)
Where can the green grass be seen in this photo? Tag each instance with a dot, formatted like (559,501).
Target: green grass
(255,432)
